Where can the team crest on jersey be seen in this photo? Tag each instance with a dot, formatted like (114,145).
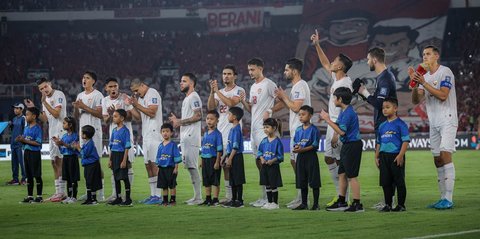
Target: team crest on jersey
(89,101)
(196,104)
(154,100)
(435,83)
(259,91)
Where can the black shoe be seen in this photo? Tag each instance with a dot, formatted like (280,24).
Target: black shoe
(205,203)
(386,209)
(355,207)
(127,203)
(238,204)
(38,200)
(214,203)
(27,200)
(301,207)
(229,204)
(164,203)
(315,207)
(337,206)
(117,201)
(172,202)
(399,208)
(90,202)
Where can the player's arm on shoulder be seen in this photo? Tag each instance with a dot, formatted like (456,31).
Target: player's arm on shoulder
(197,116)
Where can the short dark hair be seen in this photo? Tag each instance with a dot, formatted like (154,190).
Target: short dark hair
(41,80)
(295,64)
(237,112)
(434,48)
(122,113)
(110,79)
(91,74)
(346,61)
(377,53)
(307,108)
(231,67)
(167,126)
(88,131)
(34,110)
(213,112)
(392,100)
(256,61)
(343,93)
(72,122)
(192,77)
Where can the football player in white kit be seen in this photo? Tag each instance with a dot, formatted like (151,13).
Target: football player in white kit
(88,109)
(221,100)
(190,132)
(338,70)
(437,87)
(260,104)
(147,105)
(113,101)
(299,96)
(54,110)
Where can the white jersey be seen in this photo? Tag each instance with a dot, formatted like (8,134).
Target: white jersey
(334,111)
(193,131)
(94,101)
(262,98)
(55,125)
(151,126)
(118,103)
(300,91)
(223,125)
(439,112)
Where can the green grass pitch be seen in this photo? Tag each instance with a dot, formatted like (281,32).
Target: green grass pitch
(50,220)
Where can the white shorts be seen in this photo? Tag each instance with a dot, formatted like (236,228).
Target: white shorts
(150,148)
(256,138)
(97,139)
(442,138)
(329,150)
(131,153)
(293,156)
(190,154)
(54,150)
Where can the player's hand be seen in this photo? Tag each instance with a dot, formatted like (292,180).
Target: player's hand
(28,103)
(127,99)
(281,93)
(175,121)
(243,96)
(213,86)
(419,78)
(399,160)
(123,164)
(216,166)
(109,164)
(111,109)
(267,114)
(315,38)
(44,98)
(324,115)
(377,162)
(78,104)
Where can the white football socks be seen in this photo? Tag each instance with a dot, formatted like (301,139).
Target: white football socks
(333,169)
(197,187)
(449,180)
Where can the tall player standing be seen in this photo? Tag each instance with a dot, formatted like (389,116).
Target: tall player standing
(54,109)
(437,87)
(190,132)
(222,100)
(88,109)
(259,104)
(147,105)
(338,70)
(299,96)
(114,101)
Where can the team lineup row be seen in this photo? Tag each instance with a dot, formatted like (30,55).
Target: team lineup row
(343,144)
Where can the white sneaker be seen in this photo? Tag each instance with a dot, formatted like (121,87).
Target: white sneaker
(195,202)
(266,206)
(72,200)
(260,203)
(83,197)
(111,198)
(379,205)
(294,205)
(294,201)
(66,201)
(190,200)
(255,202)
(273,206)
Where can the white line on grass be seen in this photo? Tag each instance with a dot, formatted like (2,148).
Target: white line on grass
(446,234)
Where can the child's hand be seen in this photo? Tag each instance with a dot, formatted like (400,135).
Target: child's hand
(263,161)
(334,141)
(324,115)
(175,170)
(216,166)
(123,164)
(399,160)
(228,163)
(296,148)
(270,162)
(201,163)
(109,164)
(377,162)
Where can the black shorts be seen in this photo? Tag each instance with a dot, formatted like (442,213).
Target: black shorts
(308,170)
(271,176)
(70,168)
(237,171)
(93,176)
(118,172)
(166,178)
(350,158)
(389,171)
(33,163)
(210,175)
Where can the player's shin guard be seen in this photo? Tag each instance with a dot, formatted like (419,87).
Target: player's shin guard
(441,181)
(449,181)
(130,175)
(114,191)
(152,182)
(197,187)
(333,169)
(228,190)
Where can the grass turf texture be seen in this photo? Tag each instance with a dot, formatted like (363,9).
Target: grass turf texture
(49,220)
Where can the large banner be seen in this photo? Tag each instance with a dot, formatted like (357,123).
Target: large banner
(223,20)
(401,27)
